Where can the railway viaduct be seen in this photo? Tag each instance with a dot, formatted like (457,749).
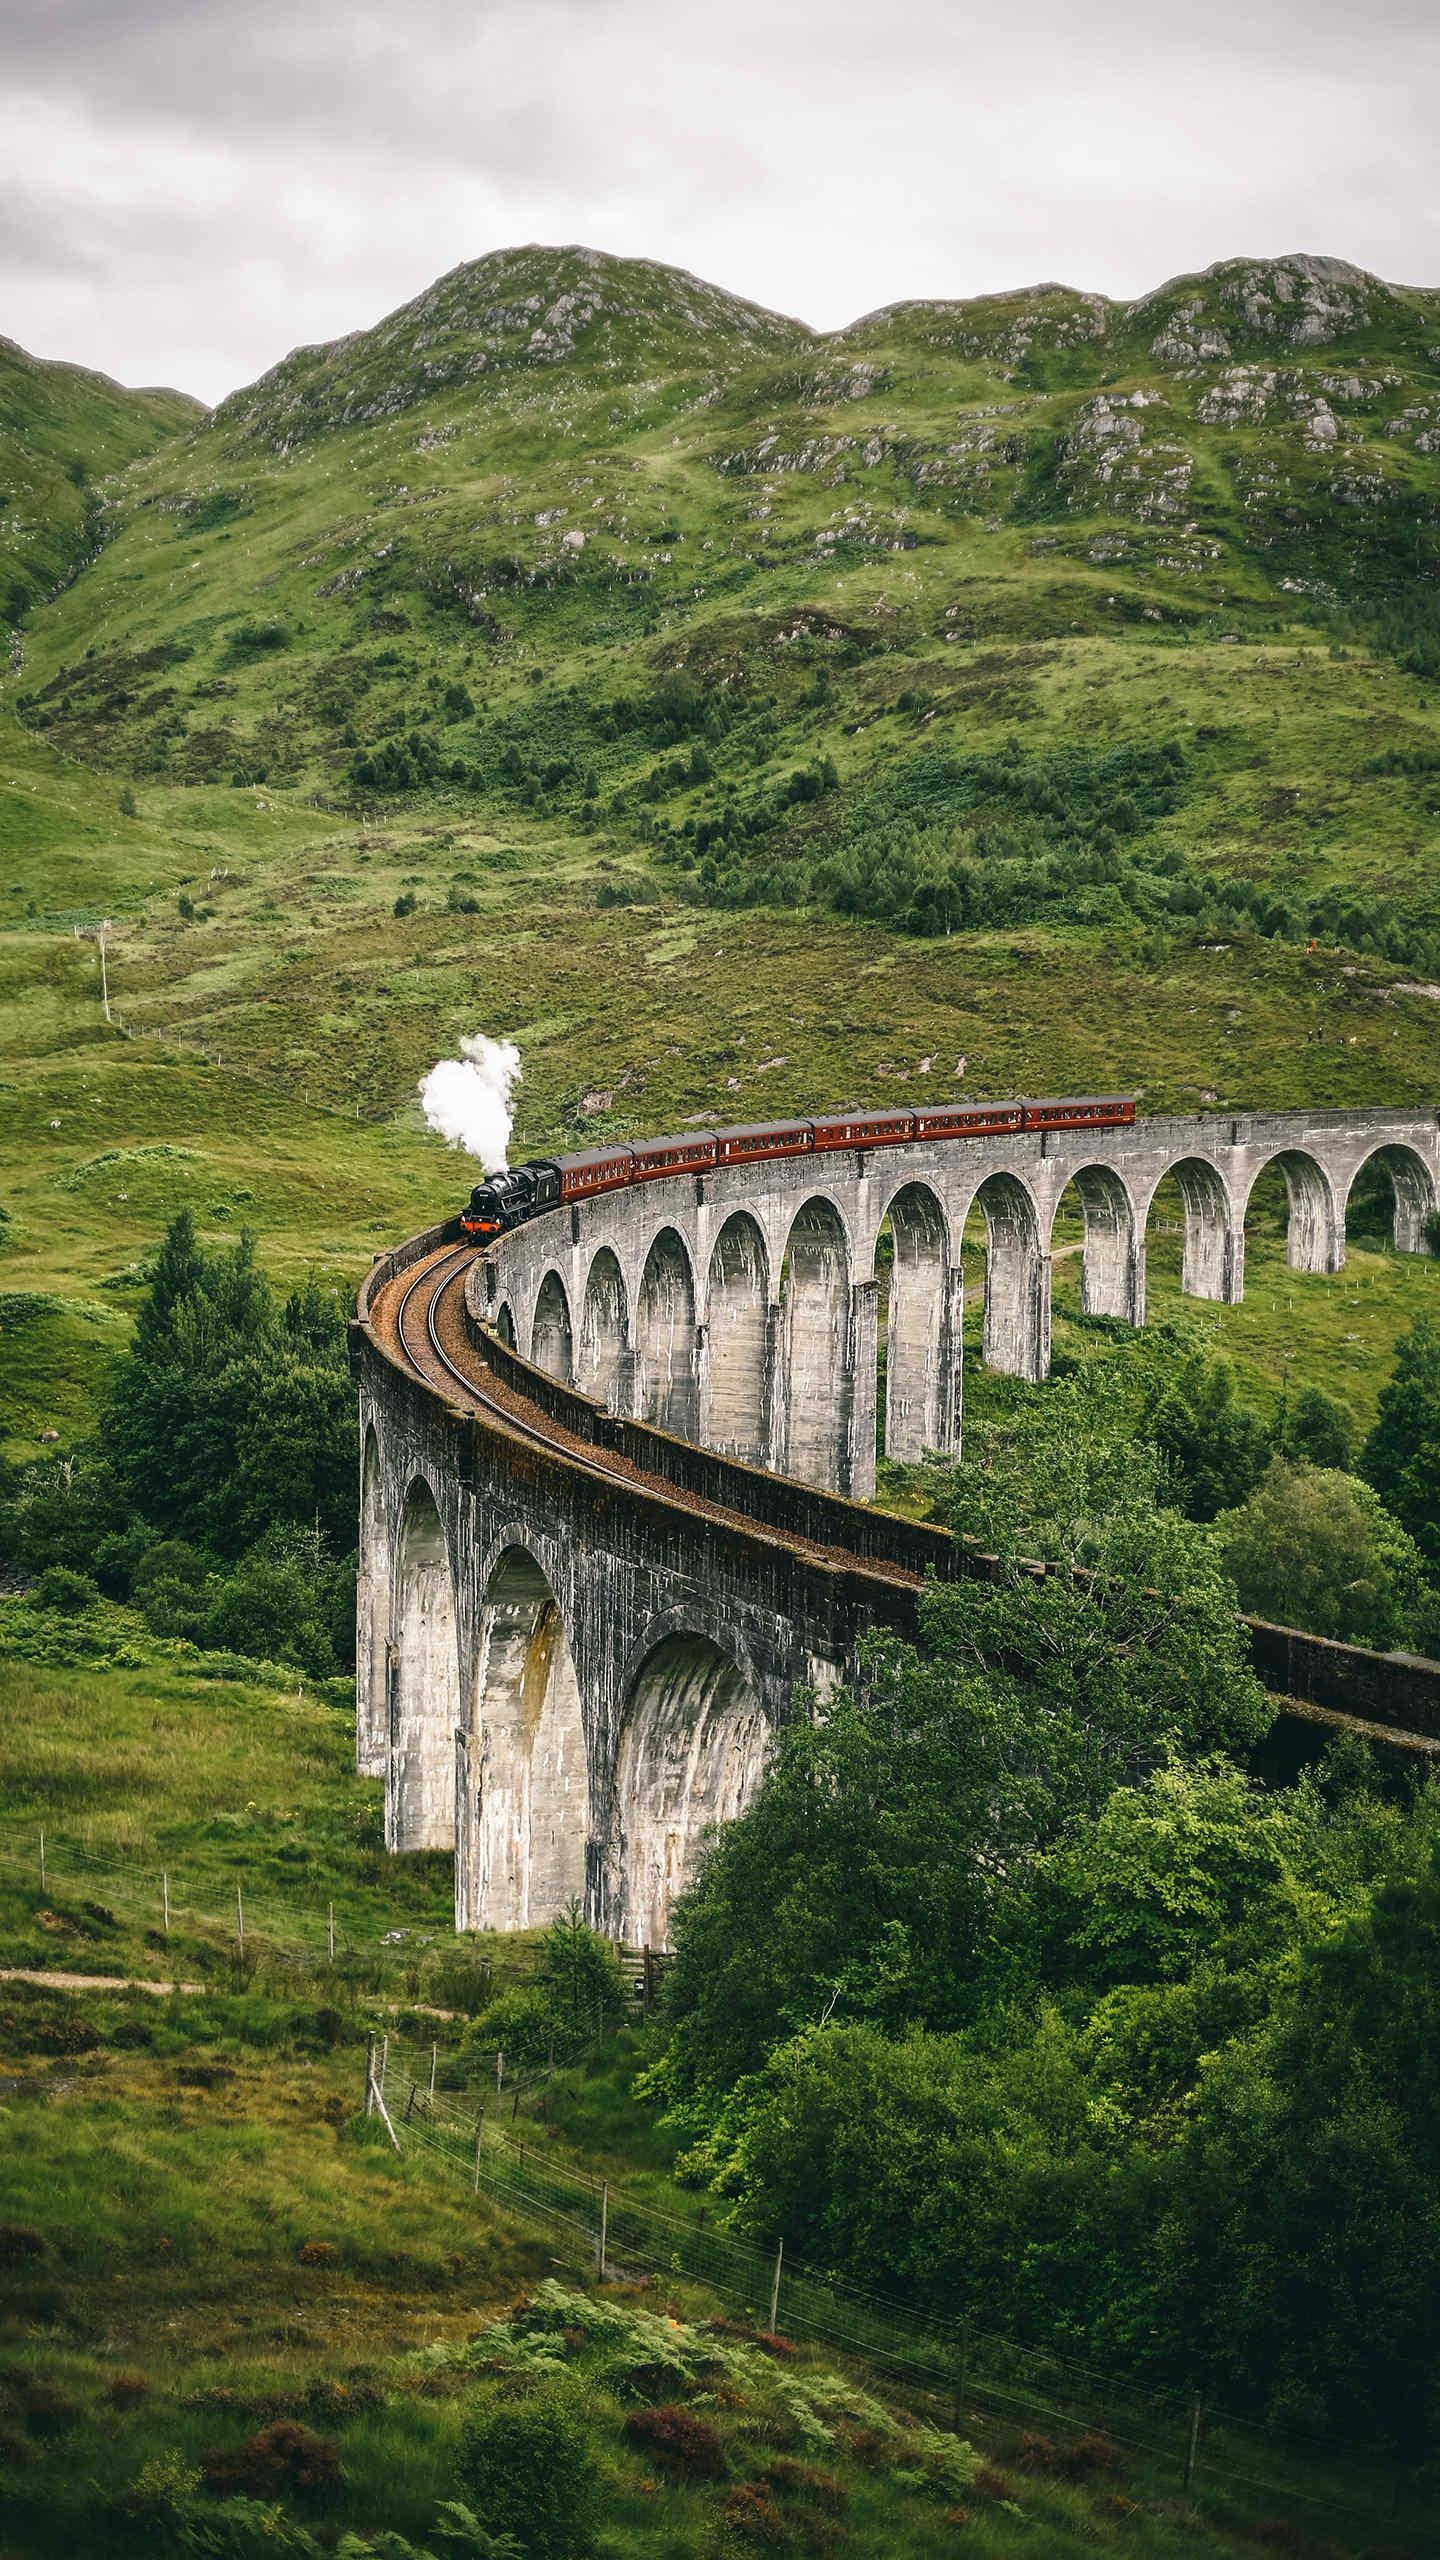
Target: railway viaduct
(614,1470)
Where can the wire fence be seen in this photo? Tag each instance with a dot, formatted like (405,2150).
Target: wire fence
(379,1114)
(459,2105)
(957,2372)
(258,1922)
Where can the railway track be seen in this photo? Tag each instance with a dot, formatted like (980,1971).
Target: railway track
(419,1319)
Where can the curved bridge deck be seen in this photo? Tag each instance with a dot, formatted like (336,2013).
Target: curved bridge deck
(582,1613)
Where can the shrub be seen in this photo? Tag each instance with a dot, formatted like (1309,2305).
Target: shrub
(529,2472)
(49,2410)
(522,2023)
(681,2445)
(64,1590)
(251,640)
(1037,2453)
(867,2446)
(284,2459)
(128,2390)
(1088,2456)
(752,2519)
(807,2485)
(17,2240)
(994,2483)
(160,2500)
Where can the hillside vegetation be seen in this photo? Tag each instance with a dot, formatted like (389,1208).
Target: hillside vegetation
(1032,609)
(61,429)
(1094,645)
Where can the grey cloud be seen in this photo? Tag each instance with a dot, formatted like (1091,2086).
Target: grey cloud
(193,189)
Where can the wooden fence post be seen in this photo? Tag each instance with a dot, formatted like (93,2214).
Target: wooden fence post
(239,1917)
(1193,2445)
(42,1861)
(434,2051)
(330,1930)
(165,1897)
(479,2128)
(775,2287)
(369,2075)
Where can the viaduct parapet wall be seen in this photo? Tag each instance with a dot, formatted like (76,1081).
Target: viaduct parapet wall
(613,1470)
(740,1307)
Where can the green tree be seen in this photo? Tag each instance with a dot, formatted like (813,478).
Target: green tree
(1319,1429)
(1129,1640)
(869,1877)
(1195,1866)
(883,1869)
(579,1972)
(1315,1548)
(1217,1447)
(1401,1458)
(1300,2246)
(229,1415)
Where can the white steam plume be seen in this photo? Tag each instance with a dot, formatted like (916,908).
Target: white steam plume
(467,1099)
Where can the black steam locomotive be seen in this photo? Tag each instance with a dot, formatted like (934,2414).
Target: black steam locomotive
(505,1200)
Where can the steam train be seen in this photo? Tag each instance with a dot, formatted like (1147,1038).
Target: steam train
(506,1200)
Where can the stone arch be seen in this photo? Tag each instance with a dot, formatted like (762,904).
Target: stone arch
(665,1383)
(600,1359)
(1314,1234)
(425,1682)
(552,1342)
(1413,1190)
(920,1360)
(736,1367)
(1208,1253)
(1016,1336)
(523,1767)
(693,1740)
(1112,1279)
(505,1325)
(815,1346)
(372,1614)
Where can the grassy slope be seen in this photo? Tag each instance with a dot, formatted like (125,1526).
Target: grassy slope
(62,432)
(399,520)
(961,503)
(169,2160)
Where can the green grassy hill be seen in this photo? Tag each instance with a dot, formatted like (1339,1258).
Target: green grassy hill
(1054,590)
(744,720)
(62,431)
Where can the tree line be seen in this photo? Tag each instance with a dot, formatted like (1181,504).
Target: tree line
(217,1494)
(1016,1989)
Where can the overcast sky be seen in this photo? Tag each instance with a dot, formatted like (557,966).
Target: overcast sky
(188,188)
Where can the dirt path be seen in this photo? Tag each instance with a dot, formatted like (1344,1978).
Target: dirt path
(91,1981)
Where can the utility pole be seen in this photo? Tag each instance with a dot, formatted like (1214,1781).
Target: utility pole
(96,933)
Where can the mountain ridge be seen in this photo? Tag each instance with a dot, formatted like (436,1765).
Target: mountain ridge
(756,608)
